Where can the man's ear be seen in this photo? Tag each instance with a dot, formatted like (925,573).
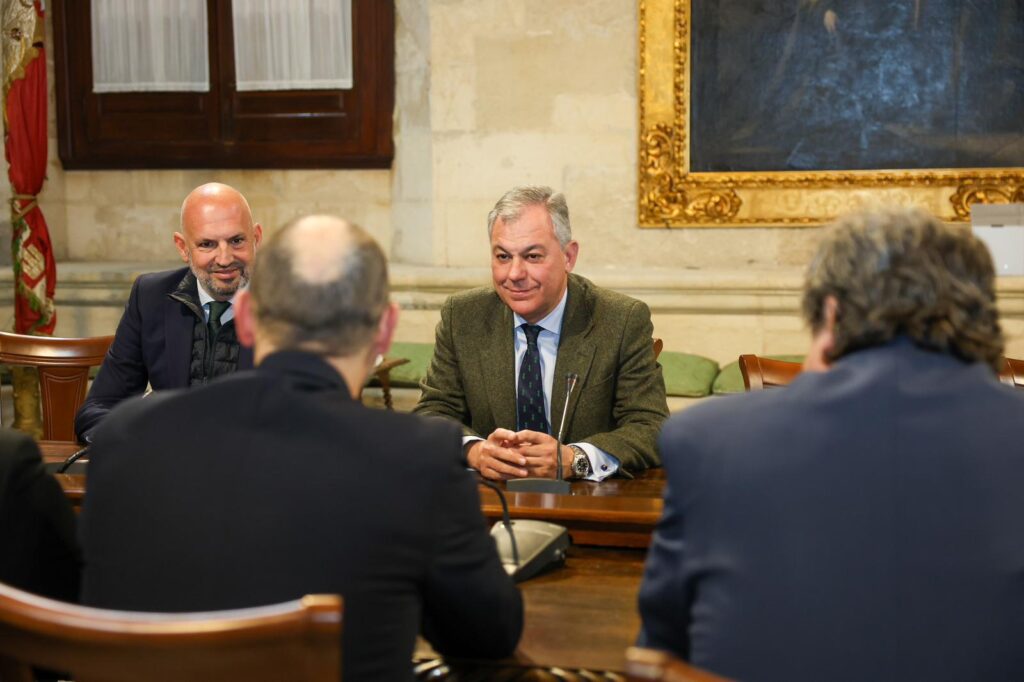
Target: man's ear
(182,245)
(824,339)
(245,320)
(257,235)
(572,251)
(385,330)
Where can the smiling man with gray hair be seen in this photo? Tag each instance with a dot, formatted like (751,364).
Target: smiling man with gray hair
(272,484)
(504,354)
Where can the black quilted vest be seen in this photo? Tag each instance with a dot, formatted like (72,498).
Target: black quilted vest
(210,357)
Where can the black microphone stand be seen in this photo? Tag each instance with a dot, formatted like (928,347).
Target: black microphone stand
(72,459)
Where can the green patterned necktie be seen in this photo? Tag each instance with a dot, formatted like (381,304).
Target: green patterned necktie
(217,309)
(530,392)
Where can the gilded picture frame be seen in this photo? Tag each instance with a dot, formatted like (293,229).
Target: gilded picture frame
(669,195)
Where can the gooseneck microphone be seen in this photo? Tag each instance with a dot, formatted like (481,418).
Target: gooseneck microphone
(557,485)
(72,459)
(570,384)
(505,519)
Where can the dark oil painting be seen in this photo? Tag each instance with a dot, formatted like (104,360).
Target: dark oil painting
(781,85)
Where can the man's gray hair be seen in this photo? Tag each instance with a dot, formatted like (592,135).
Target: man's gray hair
(511,205)
(900,272)
(322,286)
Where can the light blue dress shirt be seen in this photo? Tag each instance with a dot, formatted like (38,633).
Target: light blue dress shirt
(602,464)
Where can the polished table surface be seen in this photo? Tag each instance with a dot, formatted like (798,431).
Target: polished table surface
(581,616)
(617,512)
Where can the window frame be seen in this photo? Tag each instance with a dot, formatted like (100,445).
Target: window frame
(224,128)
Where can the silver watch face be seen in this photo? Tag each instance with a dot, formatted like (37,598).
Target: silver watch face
(581,464)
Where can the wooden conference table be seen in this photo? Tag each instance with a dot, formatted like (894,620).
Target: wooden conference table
(580,618)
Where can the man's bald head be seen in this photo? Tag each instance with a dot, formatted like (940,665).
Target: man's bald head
(214,201)
(322,286)
(218,238)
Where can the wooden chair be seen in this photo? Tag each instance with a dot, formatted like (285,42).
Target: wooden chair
(296,640)
(650,665)
(1012,372)
(658,346)
(63,366)
(382,374)
(760,373)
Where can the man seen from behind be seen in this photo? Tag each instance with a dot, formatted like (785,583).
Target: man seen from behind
(271,484)
(863,522)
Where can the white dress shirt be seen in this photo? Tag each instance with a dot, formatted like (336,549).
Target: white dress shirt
(204,301)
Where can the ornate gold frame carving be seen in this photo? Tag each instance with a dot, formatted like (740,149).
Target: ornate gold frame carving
(669,195)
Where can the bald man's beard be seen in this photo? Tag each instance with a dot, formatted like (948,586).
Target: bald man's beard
(215,287)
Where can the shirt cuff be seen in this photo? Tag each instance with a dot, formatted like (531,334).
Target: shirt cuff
(602,465)
(466,440)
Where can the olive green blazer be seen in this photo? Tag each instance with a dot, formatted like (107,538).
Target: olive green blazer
(618,404)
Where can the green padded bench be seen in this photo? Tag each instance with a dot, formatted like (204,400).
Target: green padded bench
(687,377)
(418,355)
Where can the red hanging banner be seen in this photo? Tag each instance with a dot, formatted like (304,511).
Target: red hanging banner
(25,146)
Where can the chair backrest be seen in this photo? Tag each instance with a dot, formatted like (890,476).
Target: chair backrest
(760,373)
(650,665)
(1012,372)
(63,366)
(296,640)
(658,346)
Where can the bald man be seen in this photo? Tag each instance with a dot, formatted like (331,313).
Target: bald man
(292,502)
(177,329)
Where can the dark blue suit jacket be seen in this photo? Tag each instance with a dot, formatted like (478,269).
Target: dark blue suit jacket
(38,550)
(152,345)
(862,523)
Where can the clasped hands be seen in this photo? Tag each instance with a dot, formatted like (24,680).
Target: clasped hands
(509,454)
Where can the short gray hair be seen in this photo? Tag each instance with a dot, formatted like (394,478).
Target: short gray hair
(510,206)
(325,297)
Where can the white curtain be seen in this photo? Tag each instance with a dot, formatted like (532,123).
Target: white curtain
(149,46)
(292,44)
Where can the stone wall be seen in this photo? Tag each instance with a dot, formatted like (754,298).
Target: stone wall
(715,313)
(545,91)
(490,93)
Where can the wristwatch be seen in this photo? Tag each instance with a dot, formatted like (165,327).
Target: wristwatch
(580,462)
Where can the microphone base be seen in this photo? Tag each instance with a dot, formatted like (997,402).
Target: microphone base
(538,485)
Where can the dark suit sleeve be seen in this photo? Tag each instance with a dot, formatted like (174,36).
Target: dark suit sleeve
(123,373)
(639,406)
(471,607)
(666,593)
(442,391)
(38,550)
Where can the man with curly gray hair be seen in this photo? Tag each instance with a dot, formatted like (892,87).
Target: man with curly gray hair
(872,506)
